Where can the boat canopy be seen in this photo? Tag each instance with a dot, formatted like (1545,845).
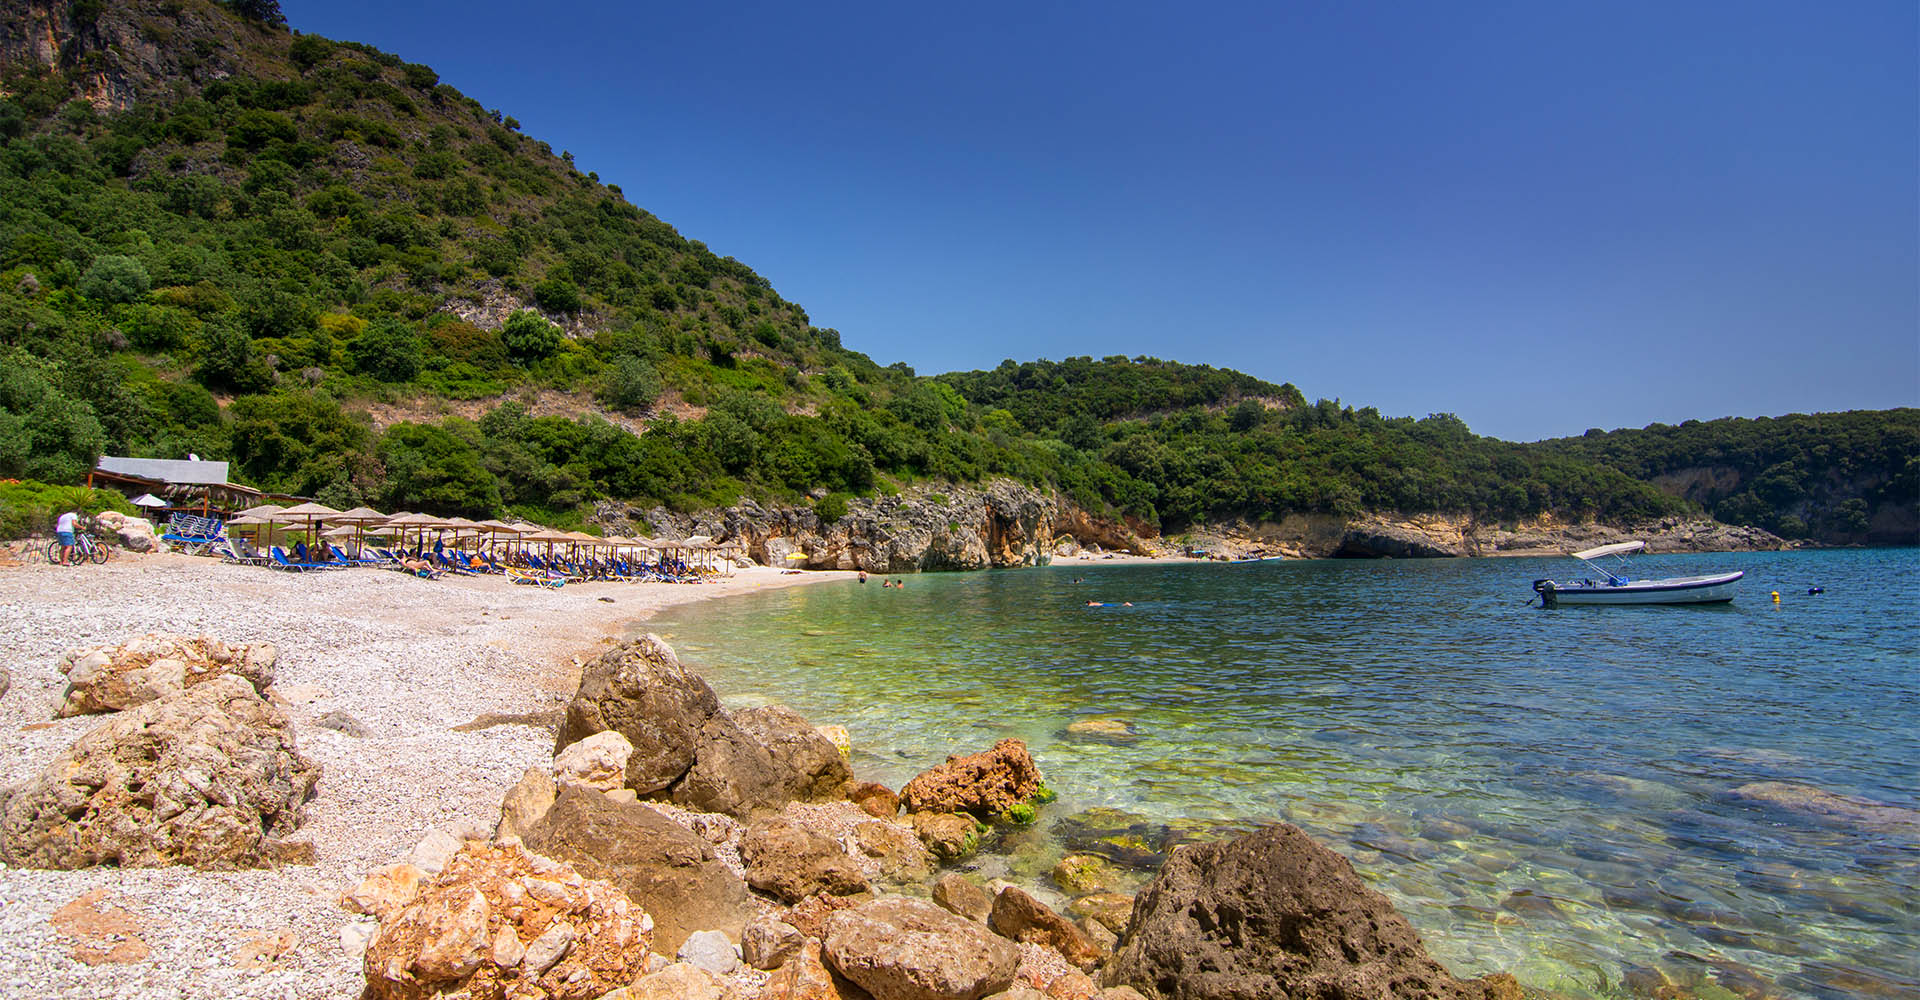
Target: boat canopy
(1616,549)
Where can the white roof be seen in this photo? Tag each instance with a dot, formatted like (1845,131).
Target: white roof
(1617,548)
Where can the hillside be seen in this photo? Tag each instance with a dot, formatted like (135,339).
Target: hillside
(1835,478)
(319,261)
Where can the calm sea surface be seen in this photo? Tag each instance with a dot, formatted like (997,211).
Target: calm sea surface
(1551,793)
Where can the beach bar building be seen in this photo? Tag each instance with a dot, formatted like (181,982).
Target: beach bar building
(188,485)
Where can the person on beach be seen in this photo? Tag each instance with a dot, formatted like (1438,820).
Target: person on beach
(63,527)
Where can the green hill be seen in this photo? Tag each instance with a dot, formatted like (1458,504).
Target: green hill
(319,261)
(1837,478)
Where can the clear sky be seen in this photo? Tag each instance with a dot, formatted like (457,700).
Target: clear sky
(1543,217)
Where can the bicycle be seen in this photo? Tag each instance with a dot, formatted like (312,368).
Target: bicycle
(85,548)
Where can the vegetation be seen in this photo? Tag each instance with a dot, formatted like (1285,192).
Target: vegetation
(29,507)
(246,264)
(1849,477)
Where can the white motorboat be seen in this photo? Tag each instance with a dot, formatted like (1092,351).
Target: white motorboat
(1611,587)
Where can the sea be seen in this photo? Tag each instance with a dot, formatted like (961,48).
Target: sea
(1715,801)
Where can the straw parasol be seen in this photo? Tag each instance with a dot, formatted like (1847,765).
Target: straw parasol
(262,510)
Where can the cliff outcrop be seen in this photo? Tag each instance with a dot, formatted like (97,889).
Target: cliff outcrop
(1428,536)
(116,54)
(1001,524)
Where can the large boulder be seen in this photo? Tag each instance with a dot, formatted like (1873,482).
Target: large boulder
(732,773)
(598,762)
(639,690)
(209,777)
(792,862)
(110,678)
(898,948)
(658,863)
(986,784)
(499,920)
(135,534)
(812,767)
(1275,914)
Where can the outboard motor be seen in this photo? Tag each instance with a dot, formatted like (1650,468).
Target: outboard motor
(1545,588)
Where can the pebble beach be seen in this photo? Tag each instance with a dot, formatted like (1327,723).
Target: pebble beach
(446,678)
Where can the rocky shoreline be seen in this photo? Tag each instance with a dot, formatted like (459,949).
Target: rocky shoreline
(660,846)
(1006,524)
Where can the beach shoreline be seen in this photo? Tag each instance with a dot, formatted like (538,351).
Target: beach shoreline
(421,664)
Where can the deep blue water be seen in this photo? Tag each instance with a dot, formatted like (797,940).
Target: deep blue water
(1551,793)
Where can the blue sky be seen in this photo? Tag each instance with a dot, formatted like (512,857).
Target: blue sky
(1541,217)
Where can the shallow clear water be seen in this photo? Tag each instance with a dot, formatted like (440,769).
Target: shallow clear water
(1544,792)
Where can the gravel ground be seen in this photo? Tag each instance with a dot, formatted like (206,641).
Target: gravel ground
(408,658)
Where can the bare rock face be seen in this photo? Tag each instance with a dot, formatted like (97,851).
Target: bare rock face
(986,784)
(526,802)
(499,920)
(792,863)
(901,856)
(135,534)
(767,943)
(812,766)
(1275,914)
(112,678)
(898,948)
(1020,917)
(875,799)
(639,690)
(732,773)
(658,863)
(209,777)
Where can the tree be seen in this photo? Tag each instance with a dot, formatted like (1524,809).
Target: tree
(115,279)
(434,471)
(267,12)
(44,434)
(388,350)
(632,384)
(529,337)
(227,361)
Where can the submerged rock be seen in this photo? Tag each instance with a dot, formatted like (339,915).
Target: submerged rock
(1841,810)
(1275,914)
(210,777)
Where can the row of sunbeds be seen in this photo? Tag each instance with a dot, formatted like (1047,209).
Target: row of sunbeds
(522,568)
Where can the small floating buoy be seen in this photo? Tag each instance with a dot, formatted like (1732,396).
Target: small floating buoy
(1776,597)
(1816,590)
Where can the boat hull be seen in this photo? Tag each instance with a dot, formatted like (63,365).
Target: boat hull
(1715,589)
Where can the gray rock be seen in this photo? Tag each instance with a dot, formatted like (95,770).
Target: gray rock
(341,722)
(210,777)
(732,773)
(671,873)
(1274,913)
(710,950)
(431,853)
(767,943)
(793,863)
(639,690)
(898,948)
(813,767)
(549,947)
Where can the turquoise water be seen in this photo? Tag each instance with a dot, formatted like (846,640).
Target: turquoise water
(1549,793)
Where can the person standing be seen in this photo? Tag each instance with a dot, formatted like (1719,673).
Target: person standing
(63,527)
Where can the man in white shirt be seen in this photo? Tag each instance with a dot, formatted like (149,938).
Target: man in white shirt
(63,528)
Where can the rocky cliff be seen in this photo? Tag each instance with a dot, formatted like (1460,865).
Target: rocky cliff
(999,525)
(115,54)
(1007,524)
(1374,536)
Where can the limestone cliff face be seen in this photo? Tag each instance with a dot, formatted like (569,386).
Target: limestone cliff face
(1001,524)
(119,52)
(1425,536)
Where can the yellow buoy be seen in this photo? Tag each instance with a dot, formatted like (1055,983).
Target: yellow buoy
(1776,597)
